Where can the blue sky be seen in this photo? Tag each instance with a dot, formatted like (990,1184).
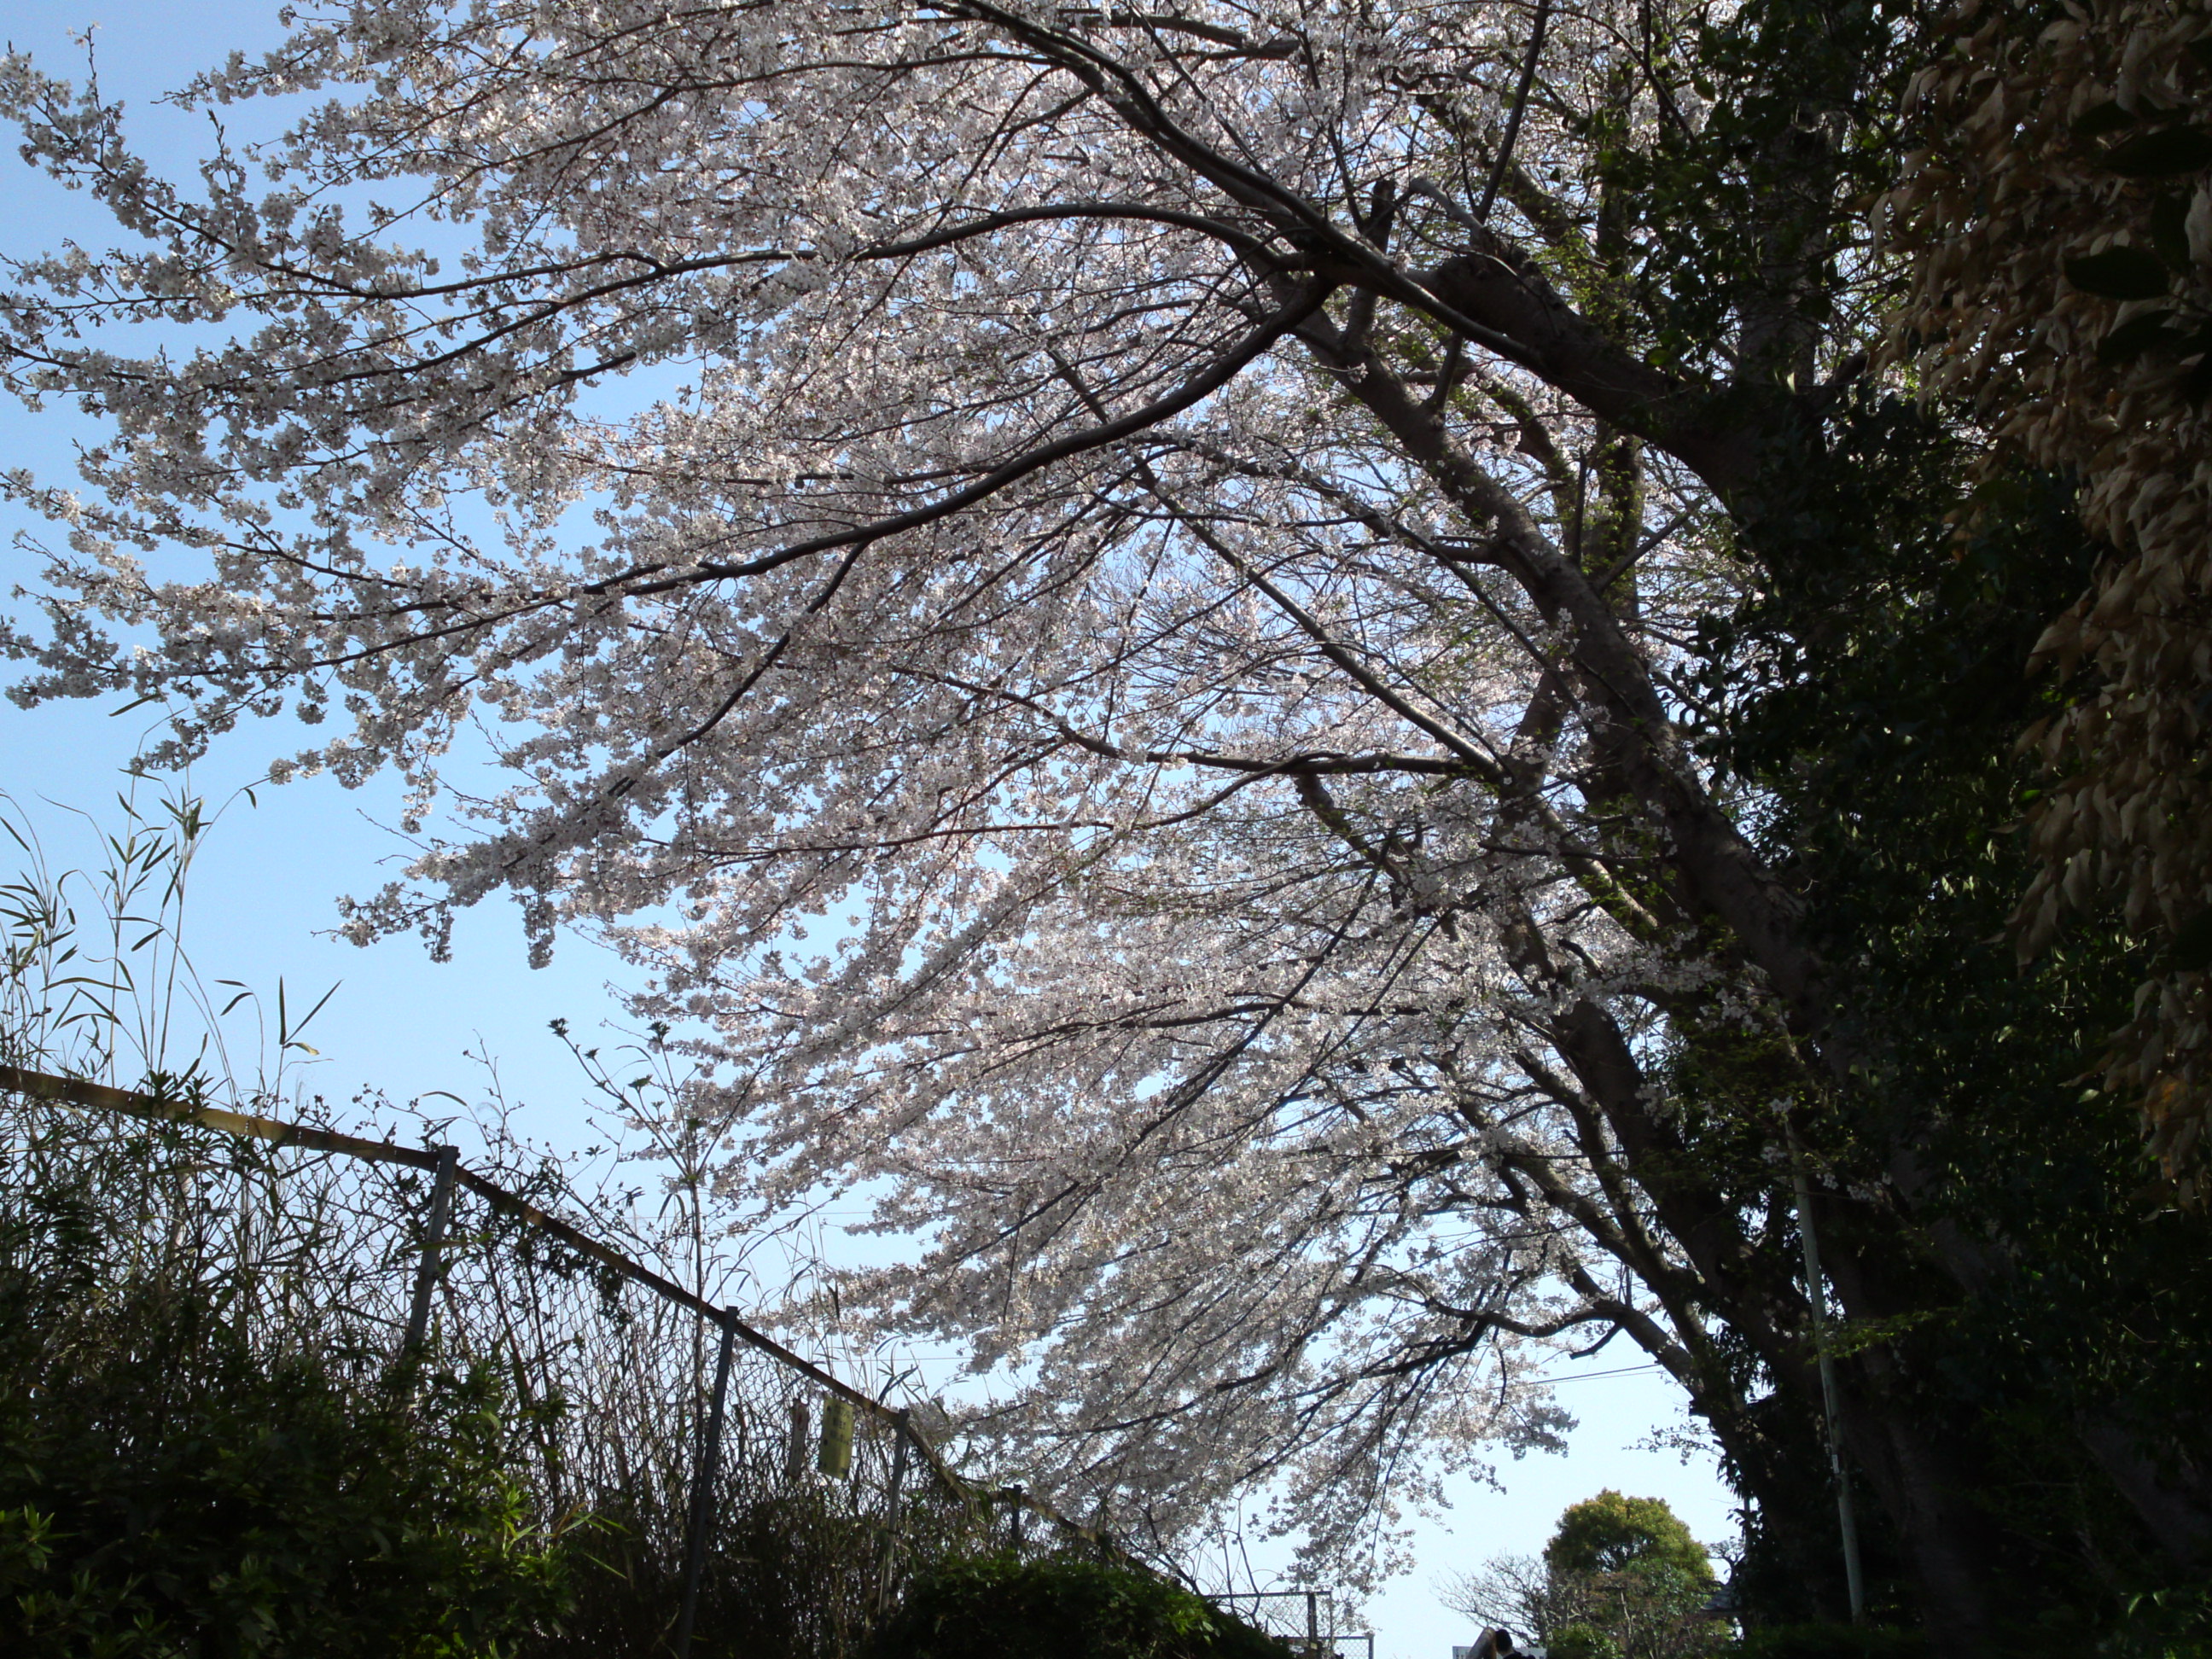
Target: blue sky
(264,893)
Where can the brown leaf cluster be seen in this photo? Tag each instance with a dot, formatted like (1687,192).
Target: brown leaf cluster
(2059,221)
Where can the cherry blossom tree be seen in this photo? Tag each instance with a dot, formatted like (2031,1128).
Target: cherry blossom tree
(1110,599)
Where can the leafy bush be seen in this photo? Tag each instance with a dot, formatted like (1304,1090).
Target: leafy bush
(2174,1622)
(788,1574)
(204,1449)
(166,1489)
(1062,1608)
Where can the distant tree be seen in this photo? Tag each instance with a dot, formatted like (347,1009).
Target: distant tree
(1621,1579)
(1507,1592)
(1629,1581)
(1611,1534)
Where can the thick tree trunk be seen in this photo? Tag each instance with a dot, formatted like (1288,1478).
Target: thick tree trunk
(1927,1497)
(1924,1484)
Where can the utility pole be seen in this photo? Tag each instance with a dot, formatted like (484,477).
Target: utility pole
(1816,1298)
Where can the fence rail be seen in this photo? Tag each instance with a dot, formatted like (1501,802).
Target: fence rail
(1314,1636)
(443,1164)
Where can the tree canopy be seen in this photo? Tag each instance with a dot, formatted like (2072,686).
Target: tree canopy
(1611,1533)
(1247,661)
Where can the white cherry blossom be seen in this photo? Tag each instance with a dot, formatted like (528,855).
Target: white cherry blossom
(1103,631)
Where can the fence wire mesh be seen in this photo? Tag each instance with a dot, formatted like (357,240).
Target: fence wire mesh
(1315,1624)
(606,1380)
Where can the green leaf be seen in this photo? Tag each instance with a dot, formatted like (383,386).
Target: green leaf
(2133,337)
(2119,273)
(2154,155)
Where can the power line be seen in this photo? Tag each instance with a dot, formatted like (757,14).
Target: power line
(1591,1376)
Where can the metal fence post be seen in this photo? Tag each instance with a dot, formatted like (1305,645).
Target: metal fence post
(702,1517)
(888,1556)
(434,1248)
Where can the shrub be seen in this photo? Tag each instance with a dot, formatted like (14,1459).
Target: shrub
(166,1489)
(1062,1608)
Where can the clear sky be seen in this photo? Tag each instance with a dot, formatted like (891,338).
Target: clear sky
(264,893)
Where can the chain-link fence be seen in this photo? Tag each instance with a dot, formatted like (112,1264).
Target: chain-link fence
(1314,1623)
(740,1499)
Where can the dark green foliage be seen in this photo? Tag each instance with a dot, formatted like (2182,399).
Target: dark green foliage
(1737,208)
(165,1490)
(2119,273)
(1832,1642)
(787,1575)
(1868,700)
(202,1460)
(1063,1607)
(2171,1623)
